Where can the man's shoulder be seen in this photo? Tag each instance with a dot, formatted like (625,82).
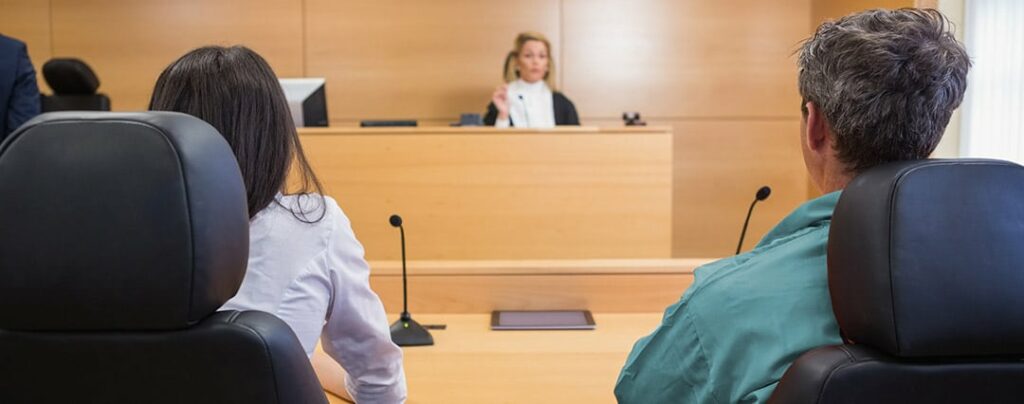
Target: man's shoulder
(773,265)
(8,44)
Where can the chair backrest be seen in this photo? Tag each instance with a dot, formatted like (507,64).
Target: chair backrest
(121,234)
(926,274)
(74,86)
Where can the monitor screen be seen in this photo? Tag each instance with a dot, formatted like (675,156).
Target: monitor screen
(307,101)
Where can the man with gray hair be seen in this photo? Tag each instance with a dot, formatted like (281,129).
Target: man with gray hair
(877,86)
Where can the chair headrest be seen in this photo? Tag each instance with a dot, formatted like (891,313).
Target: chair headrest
(118,221)
(926,258)
(68,76)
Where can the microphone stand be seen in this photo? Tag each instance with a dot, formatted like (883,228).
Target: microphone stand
(761,195)
(406,331)
(745,223)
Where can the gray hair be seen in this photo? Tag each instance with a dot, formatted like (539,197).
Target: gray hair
(886,81)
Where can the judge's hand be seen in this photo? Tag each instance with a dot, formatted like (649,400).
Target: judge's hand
(500,100)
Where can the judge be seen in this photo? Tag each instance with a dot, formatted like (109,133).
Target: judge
(527,99)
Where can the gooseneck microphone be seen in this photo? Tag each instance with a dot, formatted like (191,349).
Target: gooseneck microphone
(396,221)
(761,195)
(406,331)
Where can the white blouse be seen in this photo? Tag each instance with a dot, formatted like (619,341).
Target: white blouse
(314,277)
(530,105)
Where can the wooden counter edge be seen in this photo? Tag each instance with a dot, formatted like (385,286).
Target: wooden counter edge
(539,267)
(483,130)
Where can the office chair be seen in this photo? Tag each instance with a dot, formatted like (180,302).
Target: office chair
(926,273)
(74,87)
(121,234)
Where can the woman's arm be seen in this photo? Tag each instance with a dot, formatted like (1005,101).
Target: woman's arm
(497,111)
(357,335)
(332,376)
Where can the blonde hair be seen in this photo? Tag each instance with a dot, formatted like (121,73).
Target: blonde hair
(511,73)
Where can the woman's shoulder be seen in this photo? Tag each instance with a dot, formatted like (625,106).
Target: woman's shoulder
(304,209)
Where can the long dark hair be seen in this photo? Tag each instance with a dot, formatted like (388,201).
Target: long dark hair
(235,90)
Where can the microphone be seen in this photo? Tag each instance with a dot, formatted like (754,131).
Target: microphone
(526,109)
(761,195)
(406,331)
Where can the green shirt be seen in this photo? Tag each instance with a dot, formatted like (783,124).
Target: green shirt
(736,330)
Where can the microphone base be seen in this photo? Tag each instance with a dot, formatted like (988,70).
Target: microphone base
(407,332)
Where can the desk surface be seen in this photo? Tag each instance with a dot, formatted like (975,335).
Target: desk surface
(469,363)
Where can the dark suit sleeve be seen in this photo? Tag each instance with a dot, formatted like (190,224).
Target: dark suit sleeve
(24,103)
(565,111)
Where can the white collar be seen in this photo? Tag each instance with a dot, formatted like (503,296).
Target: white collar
(538,86)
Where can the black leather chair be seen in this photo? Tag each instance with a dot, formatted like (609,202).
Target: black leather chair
(120,236)
(926,272)
(74,86)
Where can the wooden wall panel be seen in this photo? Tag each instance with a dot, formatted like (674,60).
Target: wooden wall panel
(128,43)
(719,167)
(29,22)
(822,10)
(420,60)
(676,59)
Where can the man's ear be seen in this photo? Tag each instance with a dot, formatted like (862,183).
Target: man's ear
(819,134)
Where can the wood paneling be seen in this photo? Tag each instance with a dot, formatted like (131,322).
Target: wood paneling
(822,10)
(128,43)
(683,58)
(481,193)
(483,293)
(719,167)
(29,22)
(420,60)
(721,73)
(481,286)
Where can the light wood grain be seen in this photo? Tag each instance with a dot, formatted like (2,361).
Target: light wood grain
(541,267)
(822,10)
(29,22)
(469,363)
(128,43)
(483,293)
(472,286)
(718,59)
(401,59)
(720,165)
(481,193)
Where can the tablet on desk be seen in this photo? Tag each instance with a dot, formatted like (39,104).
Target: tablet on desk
(542,320)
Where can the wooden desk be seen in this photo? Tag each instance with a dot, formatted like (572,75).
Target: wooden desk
(469,363)
(491,194)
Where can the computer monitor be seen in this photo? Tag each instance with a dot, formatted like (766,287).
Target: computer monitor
(307,101)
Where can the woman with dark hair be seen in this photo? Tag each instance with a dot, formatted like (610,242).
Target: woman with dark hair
(305,264)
